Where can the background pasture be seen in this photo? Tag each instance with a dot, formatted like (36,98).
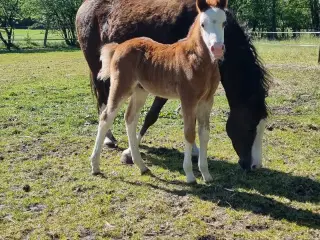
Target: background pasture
(48,123)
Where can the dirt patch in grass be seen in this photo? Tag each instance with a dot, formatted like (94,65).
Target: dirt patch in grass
(287,125)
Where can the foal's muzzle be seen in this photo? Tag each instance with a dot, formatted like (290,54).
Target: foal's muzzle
(217,50)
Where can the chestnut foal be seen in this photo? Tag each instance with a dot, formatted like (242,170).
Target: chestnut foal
(187,70)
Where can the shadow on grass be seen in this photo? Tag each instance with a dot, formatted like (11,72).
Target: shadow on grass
(228,177)
(41,50)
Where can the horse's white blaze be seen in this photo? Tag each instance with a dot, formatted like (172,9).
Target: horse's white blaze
(256,151)
(187,163)
(212,27)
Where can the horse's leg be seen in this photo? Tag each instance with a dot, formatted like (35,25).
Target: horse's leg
(203,117)
(189,119)
(90,42)
(137,101)
(150,119)
(110,140)
(153,115)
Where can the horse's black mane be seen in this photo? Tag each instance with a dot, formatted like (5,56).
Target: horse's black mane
(249,82)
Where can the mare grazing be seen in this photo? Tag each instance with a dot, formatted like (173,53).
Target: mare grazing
(187,70)
(243,77)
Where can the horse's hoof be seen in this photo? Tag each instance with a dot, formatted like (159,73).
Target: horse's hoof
(109,143)
(126,157)
(146,171)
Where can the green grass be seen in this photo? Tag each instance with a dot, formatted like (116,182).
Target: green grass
(48,124)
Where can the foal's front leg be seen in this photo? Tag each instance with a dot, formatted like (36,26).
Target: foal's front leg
(203,117)
(150,119)
(189,119)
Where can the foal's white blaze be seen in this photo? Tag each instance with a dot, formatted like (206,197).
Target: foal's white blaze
(212,29)
(256,151)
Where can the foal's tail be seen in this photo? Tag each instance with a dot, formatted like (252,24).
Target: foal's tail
(107,52)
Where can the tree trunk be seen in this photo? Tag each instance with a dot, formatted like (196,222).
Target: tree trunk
(4,41)
(315,14)
(274,19)
(8,41)
(46,33)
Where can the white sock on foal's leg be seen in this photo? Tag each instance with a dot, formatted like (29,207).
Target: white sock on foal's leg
(187,163)
(104,126)
(134,145)
(203,162)
(137,101)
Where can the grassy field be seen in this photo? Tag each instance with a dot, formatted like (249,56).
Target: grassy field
(48,123)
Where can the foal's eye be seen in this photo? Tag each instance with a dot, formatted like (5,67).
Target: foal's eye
(202,25)
(214,21)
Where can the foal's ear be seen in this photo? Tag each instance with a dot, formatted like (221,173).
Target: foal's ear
(202,5)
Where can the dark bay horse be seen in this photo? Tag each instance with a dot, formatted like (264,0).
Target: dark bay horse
(245,80)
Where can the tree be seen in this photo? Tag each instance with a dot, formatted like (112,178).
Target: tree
(56,14)
(315,14)
(9,14)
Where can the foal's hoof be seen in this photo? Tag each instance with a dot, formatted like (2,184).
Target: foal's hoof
(126,157)
(208,179)
(96,173)
(146,171)
(191,180)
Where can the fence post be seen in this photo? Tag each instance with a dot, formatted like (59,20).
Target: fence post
(319,56)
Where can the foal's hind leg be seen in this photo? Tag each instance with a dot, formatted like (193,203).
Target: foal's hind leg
(203,117)
(137,101)
(105,123)
(110,140)
(116,98)
(150,119)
